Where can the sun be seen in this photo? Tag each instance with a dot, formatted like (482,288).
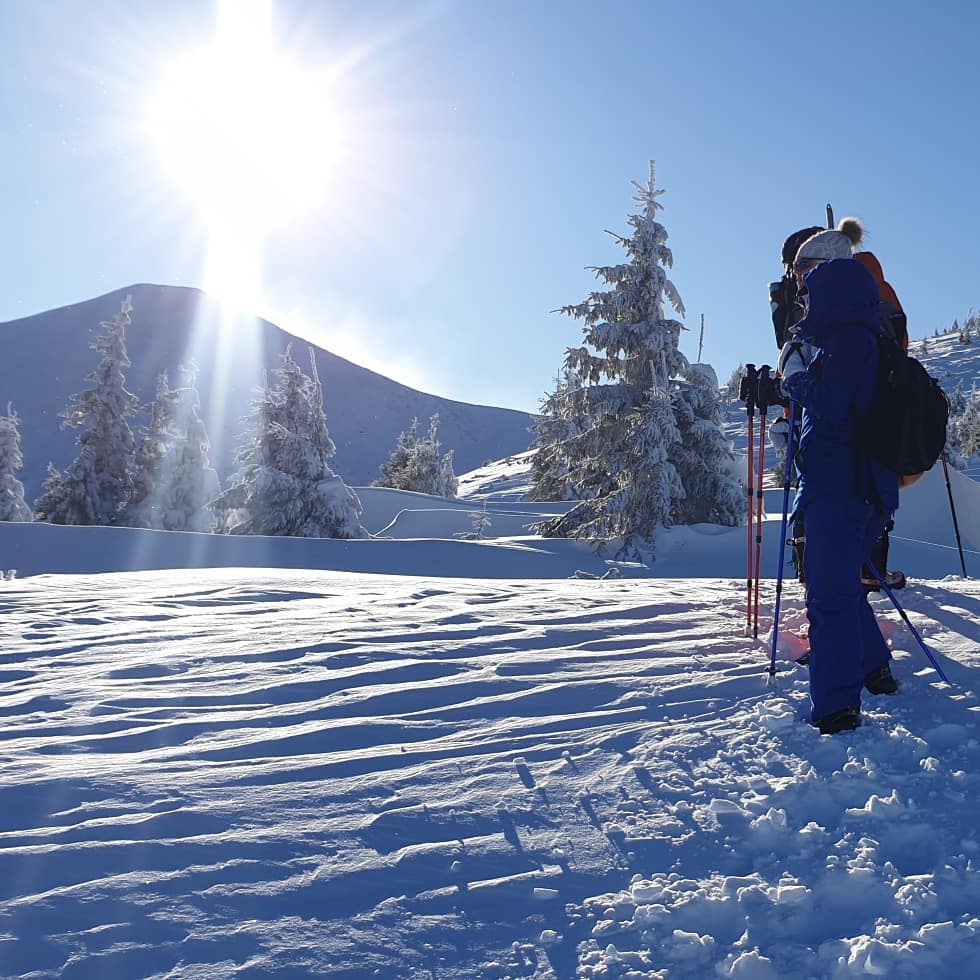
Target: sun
(249,136)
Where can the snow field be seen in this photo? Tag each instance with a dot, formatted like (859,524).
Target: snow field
(296,773)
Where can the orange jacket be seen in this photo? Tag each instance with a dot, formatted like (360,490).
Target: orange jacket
(885,292)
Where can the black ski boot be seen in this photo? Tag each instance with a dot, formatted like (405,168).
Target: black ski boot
(881,681)
(894,580)
(845,720)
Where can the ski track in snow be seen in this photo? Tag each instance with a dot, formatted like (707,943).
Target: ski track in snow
(260,772)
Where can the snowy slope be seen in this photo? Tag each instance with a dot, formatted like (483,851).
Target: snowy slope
(46,358)
(416,534)
(225,773)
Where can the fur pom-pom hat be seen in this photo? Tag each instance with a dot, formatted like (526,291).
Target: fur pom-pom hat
(832,244)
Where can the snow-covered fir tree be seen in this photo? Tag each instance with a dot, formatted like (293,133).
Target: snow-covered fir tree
(13,507)
(284,485)
(957,401)
(555,427)
(733,388)
(394,470)
(97,485)
(416,464)
(965,427)
(703,457)
(448,483)
(143,509)
(187,482)
(624,463)
(480,522)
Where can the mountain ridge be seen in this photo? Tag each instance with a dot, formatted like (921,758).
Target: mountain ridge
(47,357)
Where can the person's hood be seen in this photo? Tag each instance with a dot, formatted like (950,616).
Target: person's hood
(840,291)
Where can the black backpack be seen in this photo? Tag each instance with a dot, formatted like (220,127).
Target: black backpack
(905,427)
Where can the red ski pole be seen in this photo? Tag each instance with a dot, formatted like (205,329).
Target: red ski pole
(758,518)
(747,393)
(763,385)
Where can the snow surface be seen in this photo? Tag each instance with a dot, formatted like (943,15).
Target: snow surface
(295,772)
(433,755)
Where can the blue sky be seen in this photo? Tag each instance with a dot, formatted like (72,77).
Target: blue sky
(485,147)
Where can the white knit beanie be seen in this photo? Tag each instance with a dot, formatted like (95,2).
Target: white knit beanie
(832,244)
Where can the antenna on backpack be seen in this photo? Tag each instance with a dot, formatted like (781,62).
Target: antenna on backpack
(830,216)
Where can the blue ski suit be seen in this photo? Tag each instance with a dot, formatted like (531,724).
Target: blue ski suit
(844,496)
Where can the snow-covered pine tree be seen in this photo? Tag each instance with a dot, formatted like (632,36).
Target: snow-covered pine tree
(622,464)
(957,401)
(143,509)
(96,486)
(703,457)
(188,483)
(965,428)
(422,470)
(555,427)
(284,485)
(394,471)
(480,521)
(448,482)
(415,463)
(733,388)
(13,507)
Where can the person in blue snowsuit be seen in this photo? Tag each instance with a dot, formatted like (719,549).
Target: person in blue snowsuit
(845,497)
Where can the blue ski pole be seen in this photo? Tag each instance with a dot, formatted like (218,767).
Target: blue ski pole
(908,622)
(787,466)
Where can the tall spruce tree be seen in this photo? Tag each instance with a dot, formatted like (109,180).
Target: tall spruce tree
(97,485)
(618,460)
(13,507)
(284,485)
(624,461)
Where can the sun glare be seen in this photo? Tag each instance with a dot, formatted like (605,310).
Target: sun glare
(249,136)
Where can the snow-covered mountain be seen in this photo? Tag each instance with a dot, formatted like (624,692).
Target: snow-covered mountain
(46,357)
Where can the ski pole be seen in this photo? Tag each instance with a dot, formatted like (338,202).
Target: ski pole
(952,510)
(763,380)
(748,392)
(758,517)
(750,496)
(908,622)
(787,480)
